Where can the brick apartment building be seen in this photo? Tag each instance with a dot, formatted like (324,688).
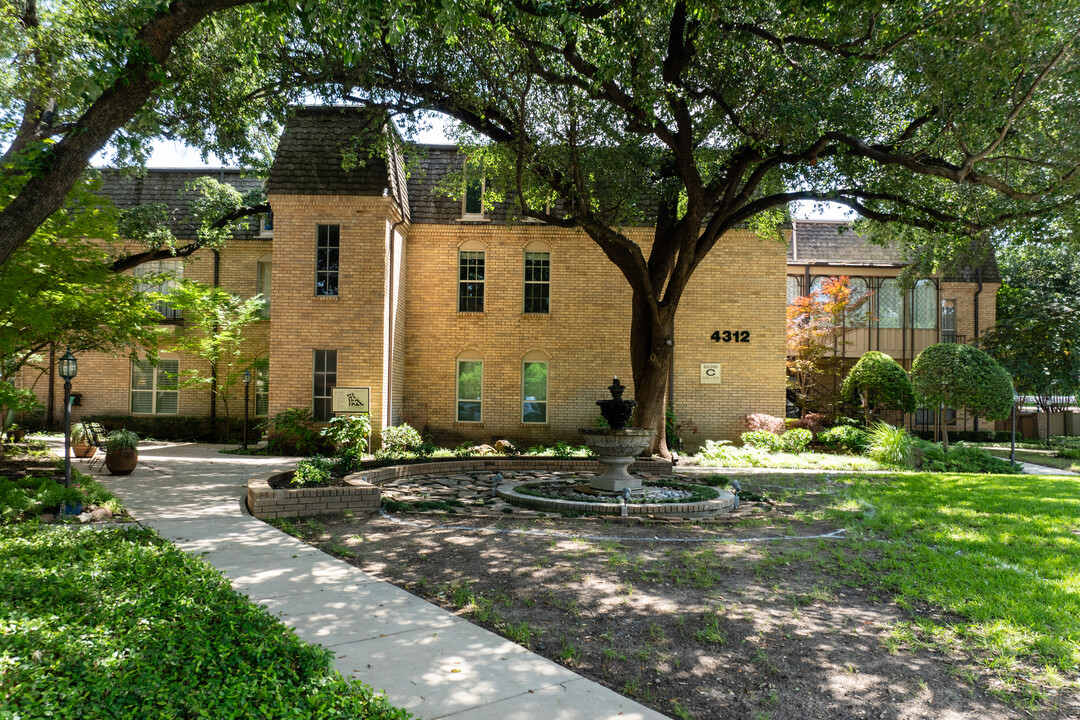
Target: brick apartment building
(474,325)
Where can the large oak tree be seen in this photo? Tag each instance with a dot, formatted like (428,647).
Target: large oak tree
(944,119)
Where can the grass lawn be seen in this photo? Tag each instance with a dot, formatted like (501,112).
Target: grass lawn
(999,553)
(120,624)
(1048,459)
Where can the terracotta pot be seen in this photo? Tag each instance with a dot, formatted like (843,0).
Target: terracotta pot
(121,462)
(82,449)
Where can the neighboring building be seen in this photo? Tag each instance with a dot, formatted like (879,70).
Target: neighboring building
(952,308)
(468,324)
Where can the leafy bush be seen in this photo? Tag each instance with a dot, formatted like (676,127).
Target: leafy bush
(34,495)
(762,440)
(133,627)
(795,440)
(349,431)
(768,423)
(722,453)
(314,470)
(348,462)
(165,427)
(882,384)
(845,437)
(962,459)
(814,422)
(293,431)
(890,445)
(400,439)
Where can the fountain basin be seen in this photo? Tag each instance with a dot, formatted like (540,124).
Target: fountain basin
(616,450)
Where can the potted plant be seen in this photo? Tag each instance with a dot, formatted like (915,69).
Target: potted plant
(80,441)
(121,453)
(15,433)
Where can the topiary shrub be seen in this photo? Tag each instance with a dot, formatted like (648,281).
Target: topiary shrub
(962,376)
(878,383)
(845,437)
(795,440)
(768,423)
(762,440)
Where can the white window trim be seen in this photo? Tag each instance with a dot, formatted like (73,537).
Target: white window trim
(263,231)
(468,216)
(256,368)
(536,249)
(154,389)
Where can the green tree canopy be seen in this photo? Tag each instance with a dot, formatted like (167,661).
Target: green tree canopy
(962,377)
(698,118)
(880,383)
(1037,335)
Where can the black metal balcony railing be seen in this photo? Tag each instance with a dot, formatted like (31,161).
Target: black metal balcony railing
(950,336)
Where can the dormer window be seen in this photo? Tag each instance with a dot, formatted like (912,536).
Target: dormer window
(266,224)
(472,201)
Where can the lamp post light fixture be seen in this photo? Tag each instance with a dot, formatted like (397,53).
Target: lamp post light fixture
(68,367)
(247,387)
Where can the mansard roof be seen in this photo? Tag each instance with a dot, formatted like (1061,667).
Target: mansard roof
(329,150)
(167,187)
(836,242)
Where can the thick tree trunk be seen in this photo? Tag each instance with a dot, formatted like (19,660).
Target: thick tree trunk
(650,357)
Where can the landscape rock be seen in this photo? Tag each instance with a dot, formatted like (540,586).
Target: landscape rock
(47,518)
(482,450)
(505,447)
(100,513)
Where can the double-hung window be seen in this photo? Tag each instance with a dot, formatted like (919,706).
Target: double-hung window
(324,380)
(327,258)
(472,200)
(262,283)
(471,281)
(155,390)
(537,282)
(160,276)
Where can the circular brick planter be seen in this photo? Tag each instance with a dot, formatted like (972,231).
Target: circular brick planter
(722,504)
(361,493)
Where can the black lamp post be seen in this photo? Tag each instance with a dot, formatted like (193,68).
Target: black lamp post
(247,387)
(68,367)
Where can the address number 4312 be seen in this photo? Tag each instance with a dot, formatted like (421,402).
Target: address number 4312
(739,336)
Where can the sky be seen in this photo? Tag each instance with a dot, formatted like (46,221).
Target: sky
(169,154)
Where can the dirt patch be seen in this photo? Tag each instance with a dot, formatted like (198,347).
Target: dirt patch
(696,621)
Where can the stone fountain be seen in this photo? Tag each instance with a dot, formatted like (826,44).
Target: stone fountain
(616,446)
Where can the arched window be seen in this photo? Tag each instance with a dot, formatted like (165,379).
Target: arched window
(924,305)
(534,388)
(890,305)
(470,385)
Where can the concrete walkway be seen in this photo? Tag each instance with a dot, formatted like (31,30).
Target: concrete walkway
(1033,469)
(425,659)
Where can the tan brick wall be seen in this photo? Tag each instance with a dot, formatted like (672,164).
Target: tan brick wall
(351,322)
(586,335)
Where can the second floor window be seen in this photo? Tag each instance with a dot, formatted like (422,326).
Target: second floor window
(262,285)
(537,282)
(470,281)
(327,258)
(160,276)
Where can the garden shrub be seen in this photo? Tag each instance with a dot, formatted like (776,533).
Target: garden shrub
(814,422)
(969,459)
(768,423)
(795,440)
(890,445)
(400,439)
(845,437)
(348,462)
(762,440)
(349,431)
(881,384)
(166,427)
(314,470)
(293,431)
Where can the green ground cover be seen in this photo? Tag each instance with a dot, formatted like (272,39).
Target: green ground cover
(120,624)
(999,553)
(725,455)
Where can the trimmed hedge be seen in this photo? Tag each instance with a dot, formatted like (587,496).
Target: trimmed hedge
(174,427)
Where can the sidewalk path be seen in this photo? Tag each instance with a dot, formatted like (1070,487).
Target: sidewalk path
(1033,469)
(425,659)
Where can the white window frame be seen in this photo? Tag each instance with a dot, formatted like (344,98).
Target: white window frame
(535,249)
(155,390)
(261,378)
(173,267)
(266,224)
(465,214)
(262,286)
